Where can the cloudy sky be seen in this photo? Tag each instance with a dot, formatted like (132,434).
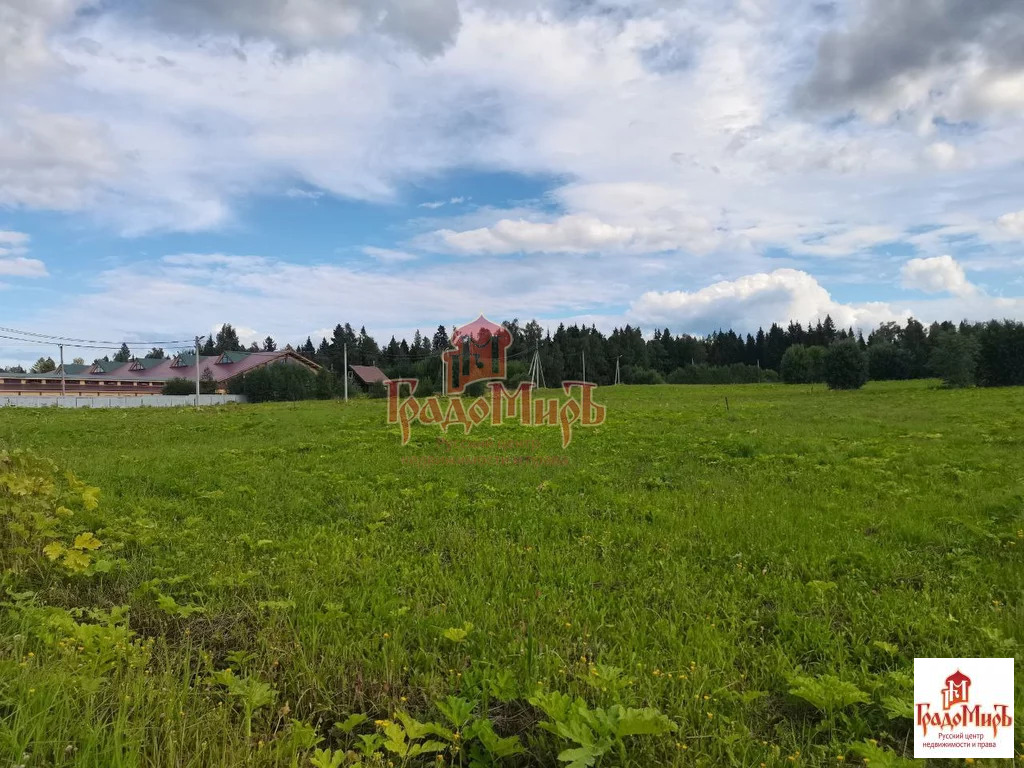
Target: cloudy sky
(288,164)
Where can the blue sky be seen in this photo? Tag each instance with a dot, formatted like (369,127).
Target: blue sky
(165,168)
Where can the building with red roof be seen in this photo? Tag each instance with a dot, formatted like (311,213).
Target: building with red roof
(145,376)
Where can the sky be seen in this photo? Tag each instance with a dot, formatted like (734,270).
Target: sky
(286,165)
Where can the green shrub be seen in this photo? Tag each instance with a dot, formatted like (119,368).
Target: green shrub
(426,388)
(737,373)
(207,384)
(326,385)
(179,387)
(279,381)
(888,362)
(802,365)
(845,365)
(635,374)
(817,361)
(954,359)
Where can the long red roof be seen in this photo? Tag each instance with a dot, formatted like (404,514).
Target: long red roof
(232,364)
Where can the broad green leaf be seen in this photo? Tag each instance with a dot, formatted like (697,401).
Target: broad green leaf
(76,561)
(350,723)
(53,550)
(86,541)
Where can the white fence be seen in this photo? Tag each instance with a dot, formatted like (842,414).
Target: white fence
(140,401)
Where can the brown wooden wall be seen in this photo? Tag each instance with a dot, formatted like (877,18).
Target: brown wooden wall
(15,385)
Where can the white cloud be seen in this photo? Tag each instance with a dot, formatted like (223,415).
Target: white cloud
(842,241)
(19,266)
(13,262)
(303,194)
(1012,223)
(389,255)
(757,300)
(942,154)
(621,217)
(434,204)
(567,234)
(936,275)
(8,237)
(53,161)
(25,28)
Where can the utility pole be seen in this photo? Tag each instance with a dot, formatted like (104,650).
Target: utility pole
(584,356)
(199,340)
(536,373)
(444,377)
(63,375)
(345,373)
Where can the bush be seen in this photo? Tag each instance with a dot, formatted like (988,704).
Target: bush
(795,365)
(802,365)
(845,365)
(954,359)
(888,362)
(179,387)
(817,358)
(516,372)
(639,375)
(737,373)
(280,381)
(325,386)
(426,388)
(207,384)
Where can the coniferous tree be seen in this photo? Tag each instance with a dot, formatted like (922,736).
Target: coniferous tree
(369,352)
(227,340)
(307,350)
(44,365)
(323,354)
(441,339)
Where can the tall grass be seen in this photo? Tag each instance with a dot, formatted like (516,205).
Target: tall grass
(761,575)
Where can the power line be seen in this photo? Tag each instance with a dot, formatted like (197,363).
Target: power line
(41,343)
(55,338)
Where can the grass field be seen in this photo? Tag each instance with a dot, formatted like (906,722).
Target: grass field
(719,586)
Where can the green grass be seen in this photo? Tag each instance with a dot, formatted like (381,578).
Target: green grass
(722,558)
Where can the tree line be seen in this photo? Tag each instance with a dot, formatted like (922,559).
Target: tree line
(988,354)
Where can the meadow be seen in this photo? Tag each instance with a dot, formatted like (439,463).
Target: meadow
(717,576)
